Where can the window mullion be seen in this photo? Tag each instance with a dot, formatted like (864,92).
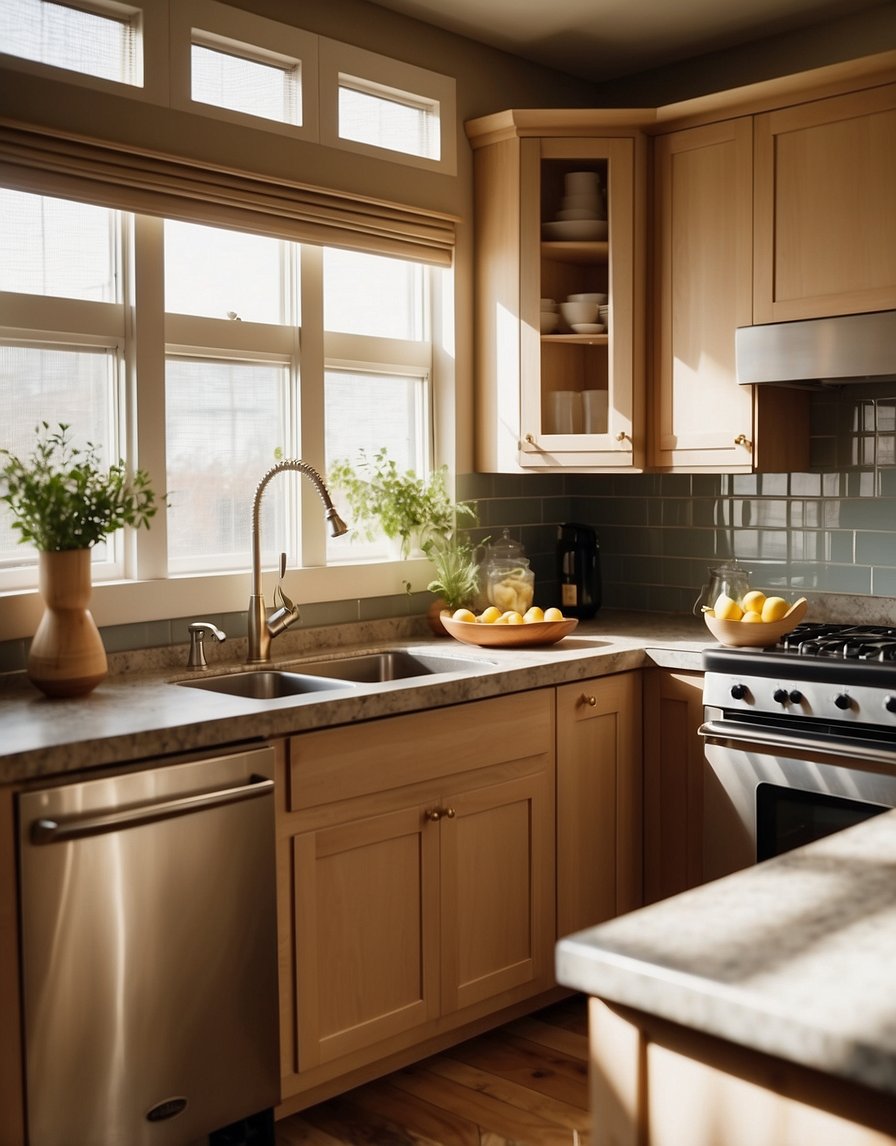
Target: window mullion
(145,404)
(311,401)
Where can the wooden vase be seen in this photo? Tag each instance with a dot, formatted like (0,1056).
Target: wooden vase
(67,657)
(434,617)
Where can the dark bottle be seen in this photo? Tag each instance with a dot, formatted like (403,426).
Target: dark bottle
(578,570)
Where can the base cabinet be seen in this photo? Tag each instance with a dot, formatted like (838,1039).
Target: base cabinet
(419,851)
(673,782)
(598,800)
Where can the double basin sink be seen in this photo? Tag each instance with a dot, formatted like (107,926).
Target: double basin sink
(335,673)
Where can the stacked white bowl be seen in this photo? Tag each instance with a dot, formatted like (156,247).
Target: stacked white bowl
(581,312)
(582,214)
(550,319)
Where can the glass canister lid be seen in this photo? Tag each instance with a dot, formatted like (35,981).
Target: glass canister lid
(505,551)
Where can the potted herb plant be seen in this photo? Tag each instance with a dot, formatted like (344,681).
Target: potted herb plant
(65,502)
(407,508)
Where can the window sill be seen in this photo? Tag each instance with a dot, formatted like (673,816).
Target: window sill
(129,602)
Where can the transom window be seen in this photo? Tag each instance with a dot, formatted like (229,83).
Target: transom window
(100,40)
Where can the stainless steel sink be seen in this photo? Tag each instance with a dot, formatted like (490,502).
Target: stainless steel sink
(391,664)
(265,684)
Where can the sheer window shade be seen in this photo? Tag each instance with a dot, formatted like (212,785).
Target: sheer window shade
(153,183)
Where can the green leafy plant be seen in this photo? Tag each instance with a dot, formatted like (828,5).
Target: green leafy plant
(62,498)
(457,570)
(402,504)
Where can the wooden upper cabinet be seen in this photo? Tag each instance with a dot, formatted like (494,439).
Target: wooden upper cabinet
(521,164)
(701,418)
(825,230)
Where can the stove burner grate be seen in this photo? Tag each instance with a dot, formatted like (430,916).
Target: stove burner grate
(842,642)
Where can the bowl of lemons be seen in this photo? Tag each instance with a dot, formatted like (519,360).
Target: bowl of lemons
(494,629)
(754,620)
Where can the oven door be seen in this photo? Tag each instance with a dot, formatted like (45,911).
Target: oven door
(766,791)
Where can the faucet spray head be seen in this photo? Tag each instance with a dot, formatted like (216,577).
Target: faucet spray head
(337,525)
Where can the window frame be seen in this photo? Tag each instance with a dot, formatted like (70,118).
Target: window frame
(336,58)
(151,17)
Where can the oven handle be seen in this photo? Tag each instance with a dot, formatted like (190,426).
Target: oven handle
(764,738)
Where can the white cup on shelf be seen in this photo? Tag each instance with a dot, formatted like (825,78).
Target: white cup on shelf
(595,411)
(566,412)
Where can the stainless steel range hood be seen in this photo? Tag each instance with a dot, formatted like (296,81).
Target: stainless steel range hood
(819,351)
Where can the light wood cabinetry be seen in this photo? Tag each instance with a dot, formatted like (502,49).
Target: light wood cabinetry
(673,782)
(703,286)
(825,225)
(520,164)
(419,852)
(598,800)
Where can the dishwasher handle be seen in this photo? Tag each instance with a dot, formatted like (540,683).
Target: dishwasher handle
(48,831)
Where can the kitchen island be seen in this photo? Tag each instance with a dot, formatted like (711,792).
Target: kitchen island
(760,1008)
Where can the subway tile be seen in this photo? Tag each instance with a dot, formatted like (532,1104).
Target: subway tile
(706,485)
(805,514)
(883,582)
(805,485)
(676,511)
(840,546)
(868,513)
(773,485)
(845,578)
(13,655)
(876,548)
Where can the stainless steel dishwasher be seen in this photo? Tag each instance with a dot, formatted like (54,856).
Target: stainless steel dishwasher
(149,953)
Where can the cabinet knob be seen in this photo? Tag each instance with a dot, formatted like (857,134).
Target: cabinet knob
(621,436)
(743,440)
(436,814)
(591,701)
(530,438)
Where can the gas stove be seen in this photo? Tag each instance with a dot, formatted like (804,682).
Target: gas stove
(838,674)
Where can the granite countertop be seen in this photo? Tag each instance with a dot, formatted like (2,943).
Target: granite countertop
(138,714)
(792,957)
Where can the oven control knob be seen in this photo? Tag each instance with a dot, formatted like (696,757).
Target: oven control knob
(739,691)
(796,696)
(843,701)
(780,695)
(890,703)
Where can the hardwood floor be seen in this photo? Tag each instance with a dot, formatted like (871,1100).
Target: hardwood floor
(525,1084)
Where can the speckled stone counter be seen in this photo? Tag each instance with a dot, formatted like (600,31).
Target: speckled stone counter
(793,957)
(138,713)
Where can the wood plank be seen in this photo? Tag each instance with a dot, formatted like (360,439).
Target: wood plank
(300,1132)
(567,1042)
(529,1067)
(431,1123)
(496,1085)
(494,1115)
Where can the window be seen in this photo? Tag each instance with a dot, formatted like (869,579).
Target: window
(215,315)
(384,117)
(227,76)
(101,41)
(380,106)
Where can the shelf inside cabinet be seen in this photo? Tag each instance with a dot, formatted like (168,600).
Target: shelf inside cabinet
(580,339)
(576,252)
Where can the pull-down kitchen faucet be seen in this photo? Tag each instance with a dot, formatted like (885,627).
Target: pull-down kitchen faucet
(262,629)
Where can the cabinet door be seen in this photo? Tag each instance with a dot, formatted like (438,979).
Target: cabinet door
(825,241)
(497,890)
(700,416)
(595,376)
(673,782)
(598,800)
(367,932)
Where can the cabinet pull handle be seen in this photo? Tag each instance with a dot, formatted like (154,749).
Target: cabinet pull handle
(591,701)
(743,440)
(450,813)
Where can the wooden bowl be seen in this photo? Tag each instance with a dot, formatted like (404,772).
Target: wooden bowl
(760,635)
(508,636)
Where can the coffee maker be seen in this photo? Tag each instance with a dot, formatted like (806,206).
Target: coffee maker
(578,570)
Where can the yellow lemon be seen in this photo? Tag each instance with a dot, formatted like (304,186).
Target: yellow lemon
(502,620)
(533,614)
(751,618)
(489,615)
(774,609)
(514,618)
(553,614)
(753,601)
(463,615)
(727,609)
